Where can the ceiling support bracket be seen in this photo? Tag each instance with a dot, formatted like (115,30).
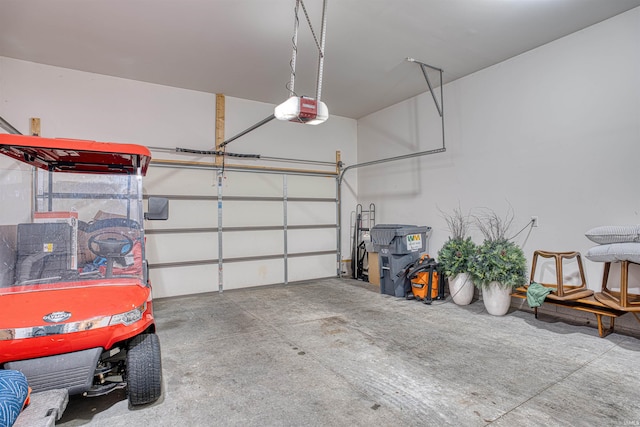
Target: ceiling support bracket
(424,67)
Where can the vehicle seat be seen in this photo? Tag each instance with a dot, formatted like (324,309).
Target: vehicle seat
(43,251)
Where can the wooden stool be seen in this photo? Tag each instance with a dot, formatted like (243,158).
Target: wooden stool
(563,292)
(621,300)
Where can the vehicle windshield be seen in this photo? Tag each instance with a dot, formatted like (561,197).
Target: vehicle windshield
(67,229)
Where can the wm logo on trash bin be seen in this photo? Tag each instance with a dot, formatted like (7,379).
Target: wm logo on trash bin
(414,242)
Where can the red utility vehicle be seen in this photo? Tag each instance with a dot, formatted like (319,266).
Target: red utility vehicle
(76,309)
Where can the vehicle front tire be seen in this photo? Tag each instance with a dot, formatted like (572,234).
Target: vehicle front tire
(144,369)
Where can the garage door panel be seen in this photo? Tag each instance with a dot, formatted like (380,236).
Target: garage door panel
(305,213)
(253,273)
(311,186)
(180,247)
(188,214)
(250,200)
(166,181)
(311,267)
(252,184)
(252,243)
(311,240)
(193,279)
(252,213)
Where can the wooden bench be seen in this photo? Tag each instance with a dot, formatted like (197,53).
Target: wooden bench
(577,297)
(588,304)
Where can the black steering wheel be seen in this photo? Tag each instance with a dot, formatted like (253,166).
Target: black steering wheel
(110,245)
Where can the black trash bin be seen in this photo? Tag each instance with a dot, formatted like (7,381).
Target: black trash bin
(398,247)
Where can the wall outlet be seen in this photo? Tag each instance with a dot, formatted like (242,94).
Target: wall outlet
(534,221)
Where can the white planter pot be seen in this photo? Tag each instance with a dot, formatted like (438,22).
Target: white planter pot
(461,288)
(497,299)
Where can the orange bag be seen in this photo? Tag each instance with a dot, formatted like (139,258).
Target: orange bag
(424,279)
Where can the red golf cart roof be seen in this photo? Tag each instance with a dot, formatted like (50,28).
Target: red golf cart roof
(75,155)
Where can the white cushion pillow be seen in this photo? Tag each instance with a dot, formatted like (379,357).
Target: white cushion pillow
(615,252)
(614,234)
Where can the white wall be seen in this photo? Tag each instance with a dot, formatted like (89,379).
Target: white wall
(554,132)
(75,104)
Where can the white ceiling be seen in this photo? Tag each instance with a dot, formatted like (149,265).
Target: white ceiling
(242,48)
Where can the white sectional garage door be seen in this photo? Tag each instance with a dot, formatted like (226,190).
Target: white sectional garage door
(257,228)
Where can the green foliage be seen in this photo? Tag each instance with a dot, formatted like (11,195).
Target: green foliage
(499,261)
(456,256)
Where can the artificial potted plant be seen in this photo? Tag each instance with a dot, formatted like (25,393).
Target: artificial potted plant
(499,265)
(455,257)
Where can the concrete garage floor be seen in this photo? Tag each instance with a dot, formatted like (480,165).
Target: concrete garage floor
(337,353)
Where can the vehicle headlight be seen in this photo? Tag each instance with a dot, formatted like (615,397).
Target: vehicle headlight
(129,317)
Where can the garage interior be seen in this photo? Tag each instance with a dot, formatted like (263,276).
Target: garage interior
(535,113)
(330,352)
